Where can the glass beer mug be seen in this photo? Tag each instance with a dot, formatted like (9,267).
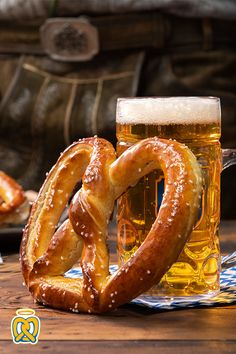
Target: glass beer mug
(196,122)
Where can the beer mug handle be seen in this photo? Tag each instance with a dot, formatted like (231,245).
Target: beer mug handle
(228,159)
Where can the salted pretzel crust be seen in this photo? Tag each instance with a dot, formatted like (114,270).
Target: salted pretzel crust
(46,255)
(12,196)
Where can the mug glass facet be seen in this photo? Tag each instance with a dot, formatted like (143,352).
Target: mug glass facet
(196,122)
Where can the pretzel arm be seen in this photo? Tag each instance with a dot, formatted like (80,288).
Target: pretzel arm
(65,248)
(90,211)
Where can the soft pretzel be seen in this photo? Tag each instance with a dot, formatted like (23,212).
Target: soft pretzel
(12,199)
(46,255)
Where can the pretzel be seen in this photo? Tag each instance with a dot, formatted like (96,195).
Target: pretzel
(12,199)
(46,255)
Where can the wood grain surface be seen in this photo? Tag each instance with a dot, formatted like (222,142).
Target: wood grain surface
(118,347)
(128,329)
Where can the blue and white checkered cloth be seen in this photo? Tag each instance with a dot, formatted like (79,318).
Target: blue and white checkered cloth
(227,294)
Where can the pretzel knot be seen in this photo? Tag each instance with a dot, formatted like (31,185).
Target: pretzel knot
(47,254)
(11,197)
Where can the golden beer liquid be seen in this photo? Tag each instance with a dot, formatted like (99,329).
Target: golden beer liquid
(198,268)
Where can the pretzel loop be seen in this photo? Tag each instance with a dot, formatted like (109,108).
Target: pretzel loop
(47,255)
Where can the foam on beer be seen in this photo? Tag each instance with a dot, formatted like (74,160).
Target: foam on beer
(168,110)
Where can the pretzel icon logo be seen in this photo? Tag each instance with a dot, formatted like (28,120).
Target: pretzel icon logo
(25,327)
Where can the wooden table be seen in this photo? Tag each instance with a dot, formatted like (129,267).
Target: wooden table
(128,329)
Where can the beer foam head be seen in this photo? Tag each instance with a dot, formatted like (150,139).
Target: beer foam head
(168,110)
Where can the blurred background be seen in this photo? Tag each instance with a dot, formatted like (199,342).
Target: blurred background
(63,64)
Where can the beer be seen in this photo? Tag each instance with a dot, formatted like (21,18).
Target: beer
(195,122)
